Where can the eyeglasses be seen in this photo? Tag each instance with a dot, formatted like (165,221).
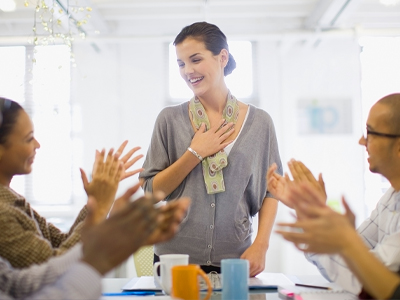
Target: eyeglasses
(387,135)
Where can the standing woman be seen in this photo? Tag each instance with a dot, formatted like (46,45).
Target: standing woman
(215,150)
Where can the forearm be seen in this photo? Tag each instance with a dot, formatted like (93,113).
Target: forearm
(22,246)
(266,219)
(374,276)
(81,216)
(72,239)
(170,178)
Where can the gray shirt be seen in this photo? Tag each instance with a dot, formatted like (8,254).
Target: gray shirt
(216,226)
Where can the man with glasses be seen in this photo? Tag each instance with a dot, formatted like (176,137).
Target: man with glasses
(381,231)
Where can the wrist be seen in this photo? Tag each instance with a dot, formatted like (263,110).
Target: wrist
(351,244)
(99,265)
(261,245)
(195,153)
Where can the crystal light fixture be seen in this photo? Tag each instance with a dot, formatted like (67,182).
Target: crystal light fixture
(7,5)
(389,2)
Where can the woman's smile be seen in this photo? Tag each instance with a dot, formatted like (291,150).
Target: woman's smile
(196,80)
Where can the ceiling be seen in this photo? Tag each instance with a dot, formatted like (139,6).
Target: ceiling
(134,19)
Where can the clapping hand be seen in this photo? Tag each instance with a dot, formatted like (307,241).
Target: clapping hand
(170,217)
(128,163)
(322,230)
(279,185)
(108,243)
(170,214)
(105,179)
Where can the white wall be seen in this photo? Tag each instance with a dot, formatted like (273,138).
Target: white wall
(296,70)
(122,88)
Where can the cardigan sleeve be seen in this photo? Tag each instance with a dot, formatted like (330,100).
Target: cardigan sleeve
(273,152)
(157,158)
(58,238)
(24,240)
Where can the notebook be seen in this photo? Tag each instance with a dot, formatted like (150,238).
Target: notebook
(143,283)
(325,295)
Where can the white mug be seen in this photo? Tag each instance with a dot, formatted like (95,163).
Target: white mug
(167,261)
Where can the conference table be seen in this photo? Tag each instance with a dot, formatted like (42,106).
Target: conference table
(113,285)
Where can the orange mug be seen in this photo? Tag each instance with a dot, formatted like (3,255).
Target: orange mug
(185,283)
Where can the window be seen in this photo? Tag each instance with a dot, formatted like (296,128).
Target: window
(43,89)
(240,82)
(12,62)
(380,72)
(51,115)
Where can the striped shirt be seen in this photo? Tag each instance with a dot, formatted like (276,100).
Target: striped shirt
(63,277)
(380,232)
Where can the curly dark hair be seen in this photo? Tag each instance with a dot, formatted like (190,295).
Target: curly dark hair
(9,113)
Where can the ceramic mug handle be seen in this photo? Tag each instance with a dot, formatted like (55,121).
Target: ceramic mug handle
(208,282)
(156,277)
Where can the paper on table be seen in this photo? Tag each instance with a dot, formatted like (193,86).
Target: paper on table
(143,283)
(260,282)
(326,295)
(268,281)
(304,293)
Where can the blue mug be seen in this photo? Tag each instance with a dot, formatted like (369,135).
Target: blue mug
(235,276)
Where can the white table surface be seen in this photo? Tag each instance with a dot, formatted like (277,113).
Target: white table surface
(114,285)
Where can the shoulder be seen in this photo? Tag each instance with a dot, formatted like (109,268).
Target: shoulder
(389,201)
(8,212)
(171,118)
(259,118)
(13,220)
(260,115)
(170,112)
(8,196)
(389,196)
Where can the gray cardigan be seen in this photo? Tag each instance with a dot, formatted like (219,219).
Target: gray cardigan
(217,226)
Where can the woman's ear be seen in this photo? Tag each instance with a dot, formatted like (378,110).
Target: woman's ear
(224,57)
